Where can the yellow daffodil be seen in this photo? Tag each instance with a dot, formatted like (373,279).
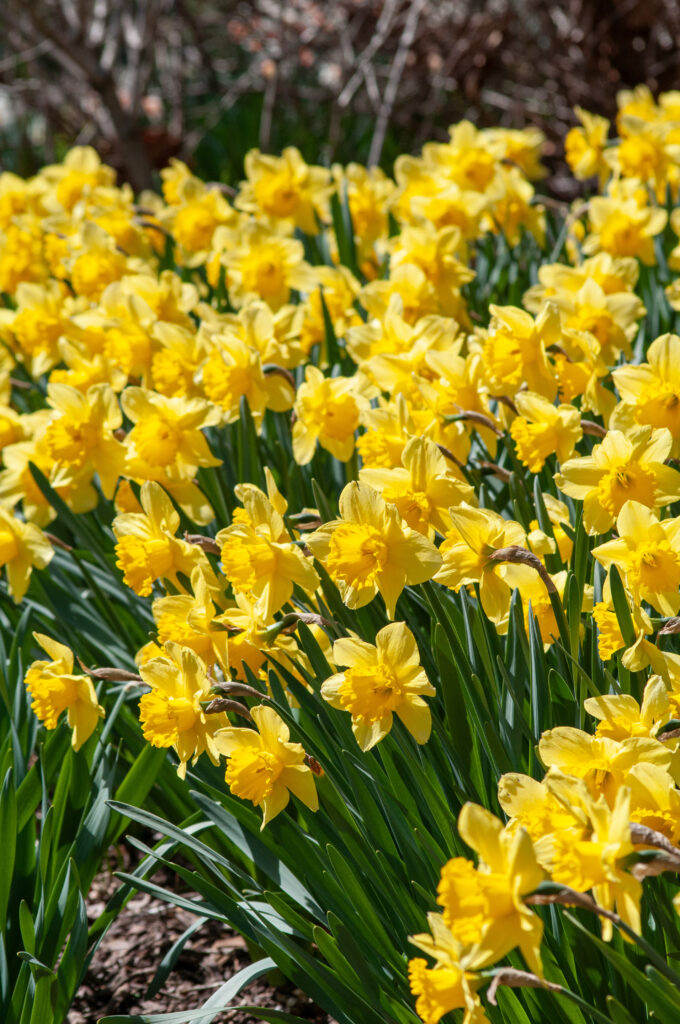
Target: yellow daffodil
(458,388)
(172,714)
(622,228)
(96,262)
(620,716)
(612,273)
(584,146)
(381,681)
(404,370)
(412,285)
(581,841)
(194,220)
(166,444)
(467,549)
(169,297)
(388,333)
(263,265)
(543,429)
(22,256)
(645,153)
(274,336)
(233,370)
(596,862)
(610,638)
(147,549)
(452,983)
(369,550)
(259,558)
(54,688)
(80,432)
(118,329)
(79,173)
(174,364)
(251,639)
(610,318)
(467,158)
(173,178)
(263,766)
(437,253)
(387,429)
(35,327)
(515,350)
(286,190)
(650,392)
(23,547)
(191,621)
(483,906)
(516,209)
(327,411)
(624,467)
(654,800)
(541,808)
(647,552)
(423,488)
(522,147)
(166,438)
(603,763)
(17,483)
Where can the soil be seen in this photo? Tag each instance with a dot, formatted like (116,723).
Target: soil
(125,963)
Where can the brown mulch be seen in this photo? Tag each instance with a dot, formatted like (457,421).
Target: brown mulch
(127,958)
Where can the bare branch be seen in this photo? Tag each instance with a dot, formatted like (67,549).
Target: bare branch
(393,82)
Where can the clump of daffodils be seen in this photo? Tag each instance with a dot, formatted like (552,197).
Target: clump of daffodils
(322,459)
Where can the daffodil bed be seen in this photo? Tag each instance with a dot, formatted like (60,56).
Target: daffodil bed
(344,511)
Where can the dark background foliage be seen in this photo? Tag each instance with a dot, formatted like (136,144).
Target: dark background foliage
(205,80)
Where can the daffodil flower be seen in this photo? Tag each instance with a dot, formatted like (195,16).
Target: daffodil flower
(23,546)
(327,410)
(370,551)
(147,549)
(381,681)
(263,766)
(647,552)
(259,558)
(624,467)
(423,488)
(452,983)
(172,714)
(484,906)
(54,689)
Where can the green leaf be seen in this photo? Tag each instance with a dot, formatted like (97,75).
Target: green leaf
(619,1013)
(171,957)
(27,928)
(8,837)
(621,607)
(653,996)
(218,1002)
(73,962)
(255,849)
(344,231)
(37,966)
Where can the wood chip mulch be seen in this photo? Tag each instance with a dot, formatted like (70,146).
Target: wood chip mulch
(127,958)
